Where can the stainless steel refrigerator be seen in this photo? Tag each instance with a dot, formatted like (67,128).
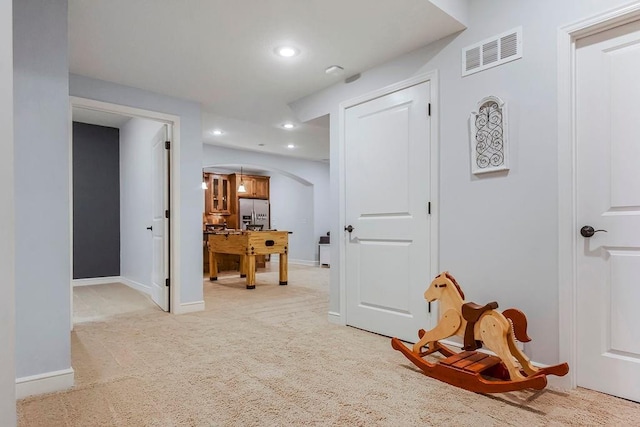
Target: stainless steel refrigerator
(254,211)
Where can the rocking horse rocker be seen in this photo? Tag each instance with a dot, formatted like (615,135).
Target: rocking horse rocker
(479,325)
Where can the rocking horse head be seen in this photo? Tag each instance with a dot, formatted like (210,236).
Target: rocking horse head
(443,283)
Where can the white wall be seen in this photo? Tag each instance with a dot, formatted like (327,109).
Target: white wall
(310,172)
(7,288)
(187,167)
(498,234)
(136,249)
(42,211)
(458,9)
(292,210)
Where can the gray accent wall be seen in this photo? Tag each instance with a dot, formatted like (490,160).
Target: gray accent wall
(7,284)
(96,201)
(42,187)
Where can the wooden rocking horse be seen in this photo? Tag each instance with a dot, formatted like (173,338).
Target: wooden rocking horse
(478,325)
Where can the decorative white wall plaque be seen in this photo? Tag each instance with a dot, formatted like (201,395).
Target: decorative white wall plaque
(488,126)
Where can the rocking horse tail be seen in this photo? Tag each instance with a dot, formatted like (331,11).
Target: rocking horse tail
(519,322)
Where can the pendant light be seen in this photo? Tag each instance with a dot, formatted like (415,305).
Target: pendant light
(241,188)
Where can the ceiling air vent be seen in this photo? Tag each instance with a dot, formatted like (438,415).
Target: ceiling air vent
(492,52)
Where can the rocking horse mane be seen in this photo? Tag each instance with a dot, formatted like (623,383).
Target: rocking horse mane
(453,280)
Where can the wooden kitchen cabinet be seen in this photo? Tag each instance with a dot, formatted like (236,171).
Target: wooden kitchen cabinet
(261,187)
(257,187)
(206,179)
(217,196)
(220,194)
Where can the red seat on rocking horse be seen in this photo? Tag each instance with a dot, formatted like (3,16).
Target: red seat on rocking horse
(479,325)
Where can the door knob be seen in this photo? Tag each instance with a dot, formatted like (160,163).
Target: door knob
(150,228)
(588,231)
(349,228)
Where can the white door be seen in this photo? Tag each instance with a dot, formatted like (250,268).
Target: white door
(160,224)
(608,198)
(387,158)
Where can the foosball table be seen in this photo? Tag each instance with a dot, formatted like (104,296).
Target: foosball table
(248,244)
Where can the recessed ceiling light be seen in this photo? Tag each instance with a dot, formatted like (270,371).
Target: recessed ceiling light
(287,51)
(288,125)
(291,146)
(260,145)
(217,132)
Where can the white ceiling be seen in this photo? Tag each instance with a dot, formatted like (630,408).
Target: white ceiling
(220,54)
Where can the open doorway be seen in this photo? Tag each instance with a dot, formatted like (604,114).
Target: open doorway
(273,200)
(120,197)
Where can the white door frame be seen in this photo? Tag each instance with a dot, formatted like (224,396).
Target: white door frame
(432,77)
(174,171)
(567,181)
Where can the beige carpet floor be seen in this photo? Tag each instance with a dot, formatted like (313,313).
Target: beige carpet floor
(99,303)
(268,357)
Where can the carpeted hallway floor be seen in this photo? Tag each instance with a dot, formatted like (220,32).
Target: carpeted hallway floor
(268,357)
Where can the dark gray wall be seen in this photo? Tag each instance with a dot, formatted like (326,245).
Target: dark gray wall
(96,201)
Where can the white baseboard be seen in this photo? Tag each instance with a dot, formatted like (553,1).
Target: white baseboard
(96,281)
(44,383)
(560,383)
(136,285)
(335,318)
(276,260)
(190,307)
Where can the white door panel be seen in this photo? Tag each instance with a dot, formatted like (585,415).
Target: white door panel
(625,296)
(608,198)
(160,167)
(377,293)
(387,152)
